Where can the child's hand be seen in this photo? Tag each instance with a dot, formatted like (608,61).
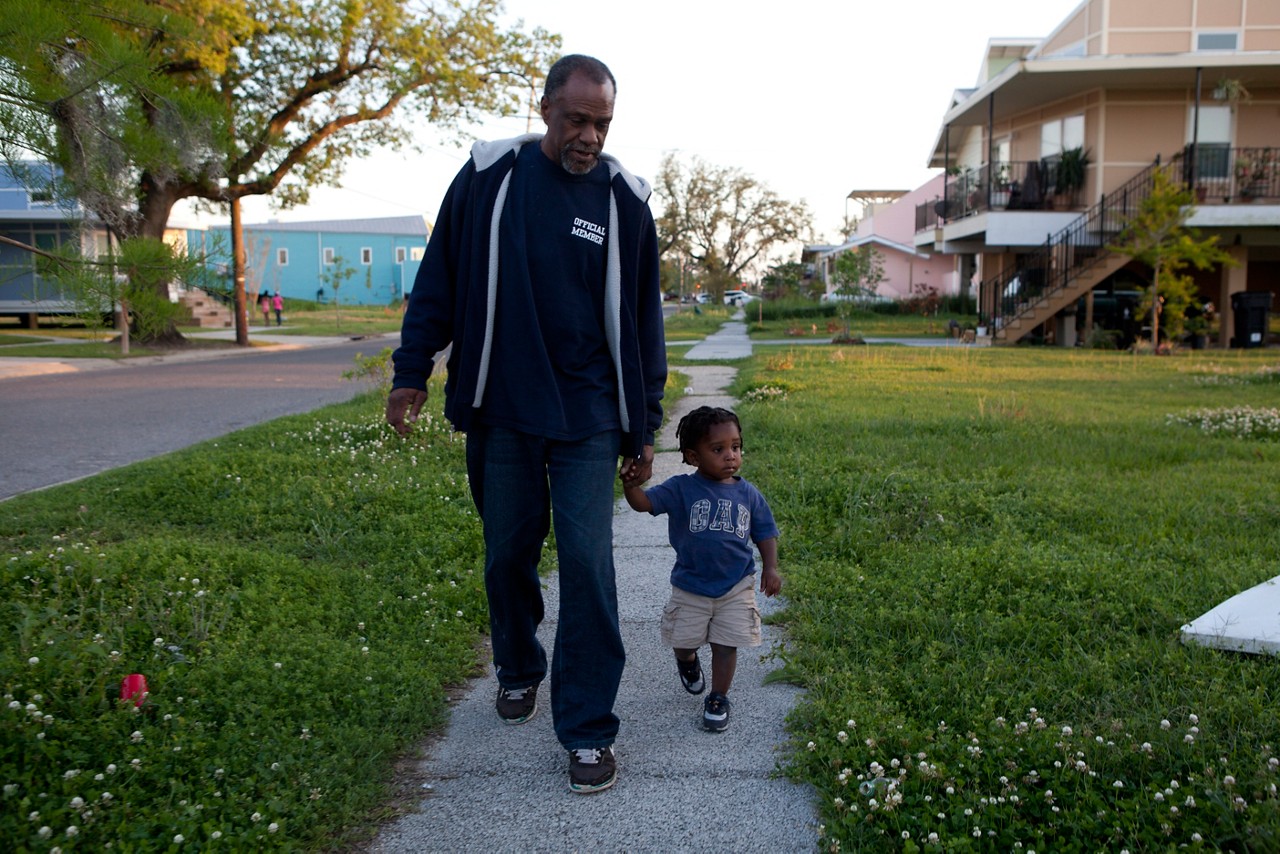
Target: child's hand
(770,582)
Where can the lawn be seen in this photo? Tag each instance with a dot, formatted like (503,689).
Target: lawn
(987,557)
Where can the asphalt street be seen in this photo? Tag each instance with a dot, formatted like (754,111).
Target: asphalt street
(59,427)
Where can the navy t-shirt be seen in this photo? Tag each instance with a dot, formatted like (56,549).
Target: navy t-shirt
(712,526)
(551,373)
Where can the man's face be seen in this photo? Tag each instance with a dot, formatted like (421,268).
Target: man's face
(577,123)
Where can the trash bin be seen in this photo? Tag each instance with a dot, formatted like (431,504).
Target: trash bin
(1250,310)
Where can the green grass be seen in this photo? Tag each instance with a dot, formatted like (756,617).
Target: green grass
(299,595)
(1007,541)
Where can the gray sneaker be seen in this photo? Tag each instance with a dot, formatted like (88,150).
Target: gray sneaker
(715,713)
(592,769)
(517,705)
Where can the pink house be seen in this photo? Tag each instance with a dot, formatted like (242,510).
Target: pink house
(888,224)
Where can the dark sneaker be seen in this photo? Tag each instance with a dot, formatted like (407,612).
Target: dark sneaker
(592,769)
(691,675)
(715,712)
(517,705)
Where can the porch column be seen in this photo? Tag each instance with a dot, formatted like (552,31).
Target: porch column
(1234,280)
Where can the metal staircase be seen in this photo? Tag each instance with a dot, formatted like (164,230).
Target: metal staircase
(1068,265)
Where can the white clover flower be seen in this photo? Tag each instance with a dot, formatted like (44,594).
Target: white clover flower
(111,769)
(933,839)
(217,834)
(1119,784)
(1189,739)
(77,803)
(278,665)
(1195,837)
(1165,724)
(906,834)
(839,803)
(812,746)
(273,827)
(33,661)
(136,736)
(1146,747)
(1159,797)
(951,790)
(45,832)
(14,705)
(72,831)
(364,650)
(178,839)
(1228,780)
(1190,802)
(1067,731)
(1195,719)
(842,736)
(256,817)
(158,642)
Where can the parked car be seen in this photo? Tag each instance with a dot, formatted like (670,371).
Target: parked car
(737,297)
(702,298)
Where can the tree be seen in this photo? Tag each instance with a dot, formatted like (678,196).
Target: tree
(142,104)
(334,275)
(1158,236)
(723,220)
(784,279)
(856,274)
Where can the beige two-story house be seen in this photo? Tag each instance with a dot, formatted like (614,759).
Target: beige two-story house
(1055,147)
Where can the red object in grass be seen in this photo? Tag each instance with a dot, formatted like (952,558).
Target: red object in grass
(134,687)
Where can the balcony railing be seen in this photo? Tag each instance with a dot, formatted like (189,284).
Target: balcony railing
(1223,175)
(1030,185)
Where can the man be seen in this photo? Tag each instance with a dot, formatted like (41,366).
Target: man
(542,272)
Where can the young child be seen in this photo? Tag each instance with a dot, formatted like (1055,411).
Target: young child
(713,517)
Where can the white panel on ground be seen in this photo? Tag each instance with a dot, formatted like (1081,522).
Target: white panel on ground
(1247,622)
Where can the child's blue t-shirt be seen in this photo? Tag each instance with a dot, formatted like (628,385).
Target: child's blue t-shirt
(712,526)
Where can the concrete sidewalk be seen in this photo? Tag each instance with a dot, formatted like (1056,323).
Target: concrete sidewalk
(496,787)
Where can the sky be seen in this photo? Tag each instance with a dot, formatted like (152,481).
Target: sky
(811,98)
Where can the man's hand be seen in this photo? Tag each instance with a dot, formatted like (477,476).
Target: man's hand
(400,401)
(636,471)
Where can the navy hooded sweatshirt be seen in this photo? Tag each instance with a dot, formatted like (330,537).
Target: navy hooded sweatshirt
(456,292)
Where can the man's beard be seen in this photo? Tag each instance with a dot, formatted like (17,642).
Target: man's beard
(573,167)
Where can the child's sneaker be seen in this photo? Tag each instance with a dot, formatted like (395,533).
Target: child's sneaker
(517,705)
(691,675)
(592,769)
(715,712)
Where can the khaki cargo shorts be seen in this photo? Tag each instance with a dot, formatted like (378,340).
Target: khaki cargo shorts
(690,620)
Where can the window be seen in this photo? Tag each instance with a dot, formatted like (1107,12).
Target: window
(400,254)
(282,257)
(1217,41)
(327,255)
(366,255)
(40,197)
(1213,142)
(416,253)
(1061,135)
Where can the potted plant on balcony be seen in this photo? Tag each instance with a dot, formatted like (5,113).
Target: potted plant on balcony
(1071,173)
(1000,189)
(1253,173)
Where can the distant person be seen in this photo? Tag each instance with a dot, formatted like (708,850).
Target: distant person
(277,303)
(542,272)
(713,517)
(264,303)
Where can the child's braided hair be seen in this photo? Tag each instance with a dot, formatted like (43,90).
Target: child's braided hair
(694,427)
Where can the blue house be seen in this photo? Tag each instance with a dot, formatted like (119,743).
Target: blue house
(372,261)
(30,215)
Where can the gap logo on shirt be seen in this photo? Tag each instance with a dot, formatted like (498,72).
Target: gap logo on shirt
(587,230)
(701,518)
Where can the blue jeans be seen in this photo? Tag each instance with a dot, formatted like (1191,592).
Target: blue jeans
(521,483)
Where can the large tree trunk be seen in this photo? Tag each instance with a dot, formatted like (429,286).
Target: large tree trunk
(154,209)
